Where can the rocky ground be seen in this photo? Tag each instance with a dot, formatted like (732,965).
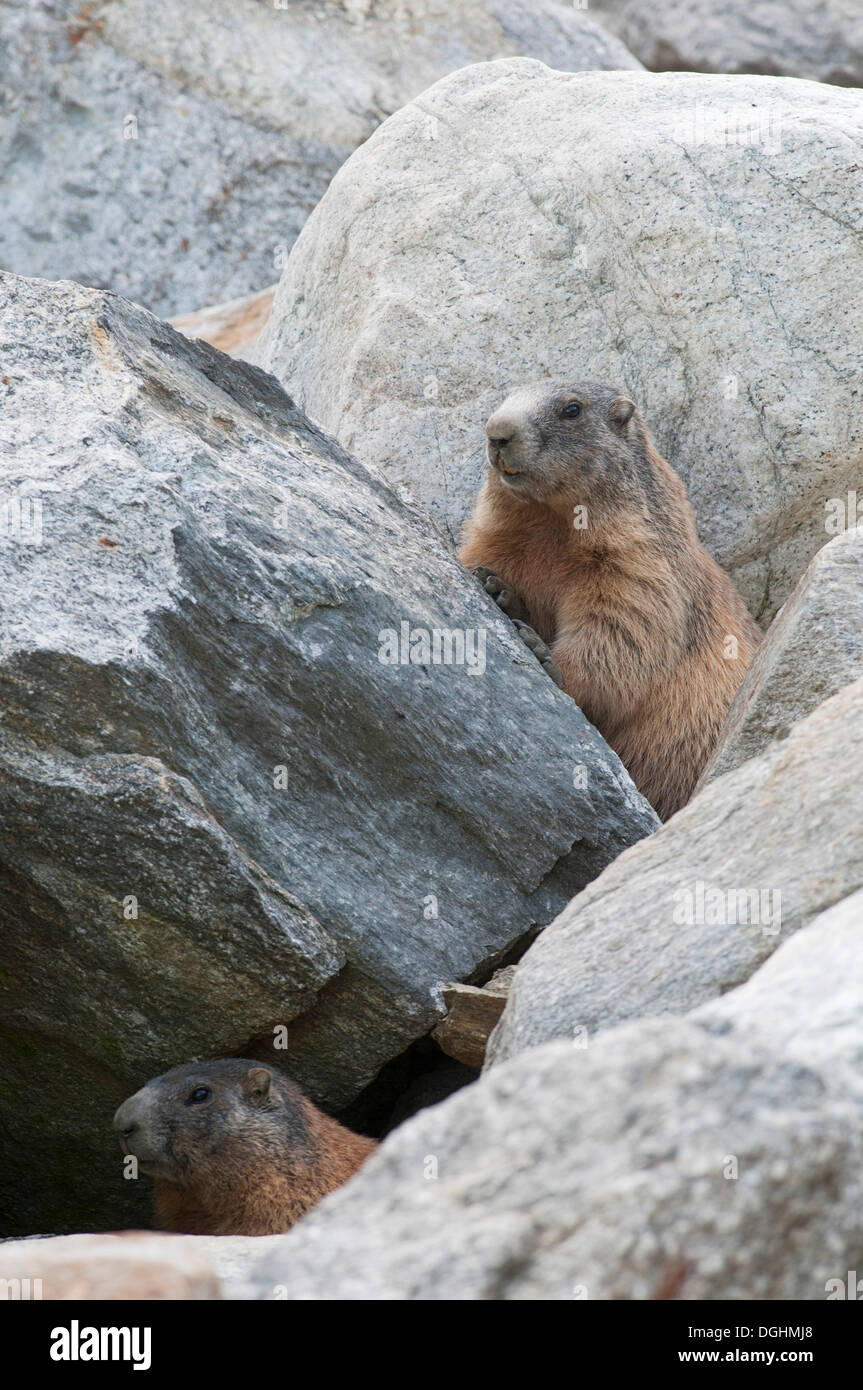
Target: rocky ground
(609,1059)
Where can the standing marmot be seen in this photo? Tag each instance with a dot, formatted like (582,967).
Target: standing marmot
(586,533)
(235,1148)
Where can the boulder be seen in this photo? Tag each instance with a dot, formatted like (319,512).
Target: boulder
(689,237)
(794,37)
(172,152)
(813,649)
(270,756)
(694,911)
(713,1157)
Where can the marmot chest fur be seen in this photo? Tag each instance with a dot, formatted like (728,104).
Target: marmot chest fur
(235,1148)
(593,533)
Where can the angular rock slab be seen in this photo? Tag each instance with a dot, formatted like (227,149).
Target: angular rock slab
(689,237)
(172,152)
(813,649)
(220,812)
(713,1157)
(792,37)
(684,917)
(471,1016)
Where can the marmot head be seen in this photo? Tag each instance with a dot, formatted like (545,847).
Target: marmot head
(566,442)
(199,1122)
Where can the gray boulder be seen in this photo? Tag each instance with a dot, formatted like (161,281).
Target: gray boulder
(172,152)
(713,1157)
(690,237)
(813,649)
(794,37)
(694,911)
(232,798)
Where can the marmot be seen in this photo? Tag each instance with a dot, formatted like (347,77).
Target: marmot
(235,1148)
(583,531)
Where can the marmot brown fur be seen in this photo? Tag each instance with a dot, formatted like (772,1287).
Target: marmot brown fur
(585,532)
(235,1148)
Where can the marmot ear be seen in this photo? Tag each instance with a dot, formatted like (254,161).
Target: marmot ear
(621,410)
(257,1084)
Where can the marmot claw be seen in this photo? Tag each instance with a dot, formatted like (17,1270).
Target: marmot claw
(507,600)
(510,603)
(535,644)
(495,588)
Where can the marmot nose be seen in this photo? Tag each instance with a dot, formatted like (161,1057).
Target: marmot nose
(500,429)
(126,1119)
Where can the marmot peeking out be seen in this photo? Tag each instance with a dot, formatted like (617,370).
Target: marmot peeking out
(235,1148)
(583,531)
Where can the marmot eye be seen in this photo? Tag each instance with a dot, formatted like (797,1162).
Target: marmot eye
(199,1095)
(572,411)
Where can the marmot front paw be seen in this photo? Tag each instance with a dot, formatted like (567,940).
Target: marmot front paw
(506,599)
(535,644)
(509,603)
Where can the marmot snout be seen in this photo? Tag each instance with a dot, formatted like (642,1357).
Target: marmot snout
(585,532)
(545,444)
(234,1148)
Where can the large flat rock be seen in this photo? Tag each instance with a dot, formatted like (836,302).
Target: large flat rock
(221,811)
(690,238)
